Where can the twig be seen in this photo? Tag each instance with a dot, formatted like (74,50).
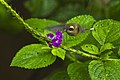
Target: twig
(38,35)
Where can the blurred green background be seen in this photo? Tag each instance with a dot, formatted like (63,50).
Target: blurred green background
(13,36)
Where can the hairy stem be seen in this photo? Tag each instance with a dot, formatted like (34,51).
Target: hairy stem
(30,29)
(38,35)
(82,53)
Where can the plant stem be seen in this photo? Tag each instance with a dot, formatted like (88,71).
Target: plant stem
(38,35)
(30,29)
(82,53)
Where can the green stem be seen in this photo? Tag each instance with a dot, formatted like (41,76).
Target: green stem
(38,35)
(82,53)
(30,29)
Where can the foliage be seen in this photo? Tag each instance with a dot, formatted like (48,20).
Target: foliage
(62,10)
(59,52)
(100,64)
(33,56)
(104,70)
(90,48)
(106,31)
(78,71)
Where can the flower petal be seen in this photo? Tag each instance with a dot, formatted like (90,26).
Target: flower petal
(56,42)
(59,34)
(50,35)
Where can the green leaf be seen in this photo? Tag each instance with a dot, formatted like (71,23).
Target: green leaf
(90,40)
(106,47)
(78,71)
(107,55)
(59,75)
(105,70)
(33,56)
(86,22)
(40,24)
(70,41)
(41,8)
(90,48)
(106,31)
(116,42)
(59,52)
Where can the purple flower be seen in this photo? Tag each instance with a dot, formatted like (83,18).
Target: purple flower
(56,40)
(50,35)
(59,34)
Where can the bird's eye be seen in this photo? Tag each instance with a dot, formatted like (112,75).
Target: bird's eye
(71,29)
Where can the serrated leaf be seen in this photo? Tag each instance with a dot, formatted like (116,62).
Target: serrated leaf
(33,56)
(59,52)
(59,75)
(40,25)
(78,71)
(86,22)
(106,47)
(90,40)
(70,41)
(90,48)
(105,70)
(106,31)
